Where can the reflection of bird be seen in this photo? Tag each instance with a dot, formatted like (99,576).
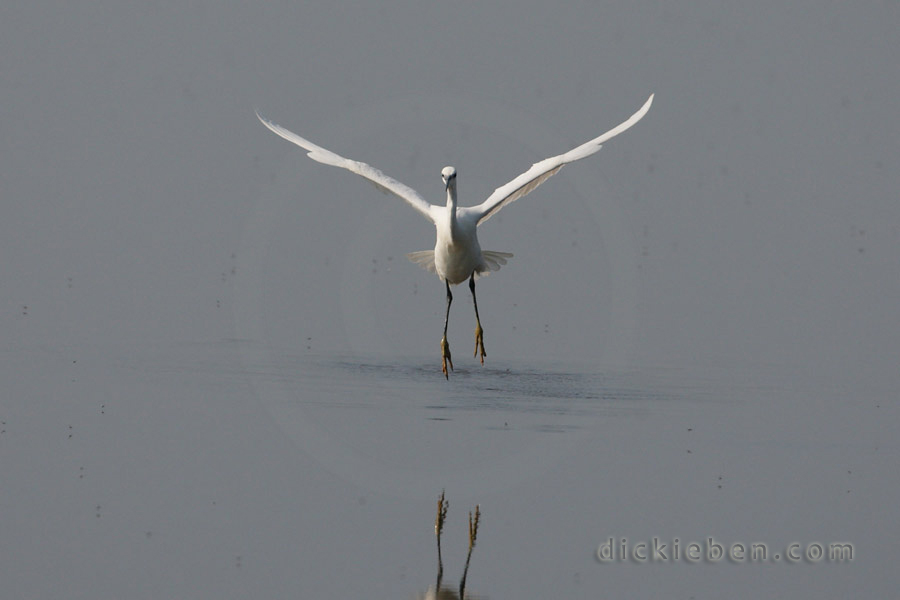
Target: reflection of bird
(445,593)
(457,256)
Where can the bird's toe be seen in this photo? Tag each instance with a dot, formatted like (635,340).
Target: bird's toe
(479,343)
(445,358)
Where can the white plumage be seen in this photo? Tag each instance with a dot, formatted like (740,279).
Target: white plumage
(457,255)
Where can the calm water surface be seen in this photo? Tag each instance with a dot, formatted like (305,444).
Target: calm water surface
(562,459)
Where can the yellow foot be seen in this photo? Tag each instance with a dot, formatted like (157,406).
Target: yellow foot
(445,357)
(479,342)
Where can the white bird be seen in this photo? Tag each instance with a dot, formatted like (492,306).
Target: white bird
(457,256)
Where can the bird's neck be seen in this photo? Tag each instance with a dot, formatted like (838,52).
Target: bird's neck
(451,208)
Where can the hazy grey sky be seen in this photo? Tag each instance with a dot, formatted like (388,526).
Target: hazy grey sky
(757,200)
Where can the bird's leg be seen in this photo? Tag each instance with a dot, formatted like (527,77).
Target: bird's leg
(445,347)
(479,332)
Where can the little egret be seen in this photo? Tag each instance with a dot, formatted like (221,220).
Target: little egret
(457,256)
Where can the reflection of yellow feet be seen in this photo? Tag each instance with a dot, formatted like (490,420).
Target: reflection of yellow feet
(445,357)
(473,526)
(442,507)
(479,342)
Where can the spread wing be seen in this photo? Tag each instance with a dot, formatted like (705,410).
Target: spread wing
(543,170)
(383,182)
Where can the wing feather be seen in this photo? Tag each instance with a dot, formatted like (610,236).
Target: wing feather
(383,182)
(543,170)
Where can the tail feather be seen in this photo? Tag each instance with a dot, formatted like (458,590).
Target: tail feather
(495,260)
(492,261)
(423,258)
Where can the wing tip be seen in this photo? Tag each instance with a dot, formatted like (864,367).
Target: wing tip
(643,110)
(268,123)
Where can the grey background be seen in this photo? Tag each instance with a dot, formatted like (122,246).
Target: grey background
(175,281)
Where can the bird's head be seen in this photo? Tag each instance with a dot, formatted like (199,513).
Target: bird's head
(448,174)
